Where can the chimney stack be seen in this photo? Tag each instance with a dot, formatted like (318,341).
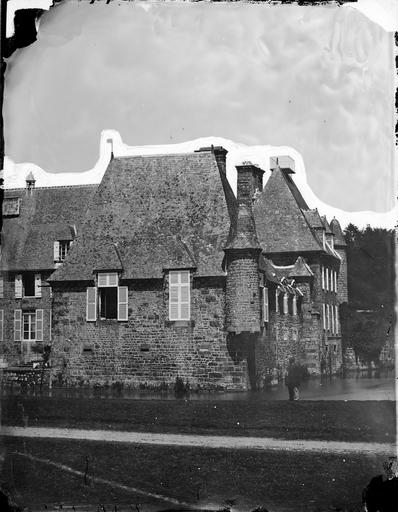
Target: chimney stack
(30,182)
(250,180)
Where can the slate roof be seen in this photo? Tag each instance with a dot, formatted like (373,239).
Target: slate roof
(159,212)
(245,236)
(313,218)
(339,240)
(278,213)
(45,215)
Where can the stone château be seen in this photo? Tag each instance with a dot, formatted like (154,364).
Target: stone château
(160,272)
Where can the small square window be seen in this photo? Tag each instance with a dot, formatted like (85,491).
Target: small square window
(61,249)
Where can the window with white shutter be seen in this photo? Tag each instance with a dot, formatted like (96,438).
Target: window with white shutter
(323,277)
(332,318)
(327,278)
(335,281)
(1,287)
(39,324)
(265,305)
(18,286)
(1,324)
(122,303)
(179,295)
(56,251)
(337,319)
(91,304)
(324,316)
(17,324)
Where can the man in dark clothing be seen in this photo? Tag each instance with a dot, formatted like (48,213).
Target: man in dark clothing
(381,495)
(293,380)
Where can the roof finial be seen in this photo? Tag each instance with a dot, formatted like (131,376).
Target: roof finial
(110,141)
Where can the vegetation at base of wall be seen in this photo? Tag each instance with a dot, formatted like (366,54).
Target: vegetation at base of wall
(340,421)
(206,478)
(368,320)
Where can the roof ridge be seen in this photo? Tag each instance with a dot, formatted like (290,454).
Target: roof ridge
(80,185)
(191,153)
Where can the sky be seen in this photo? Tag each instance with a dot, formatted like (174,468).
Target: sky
(314,82)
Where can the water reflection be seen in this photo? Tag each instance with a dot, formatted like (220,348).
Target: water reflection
(373,385)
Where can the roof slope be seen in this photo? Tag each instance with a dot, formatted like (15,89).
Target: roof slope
(280,222)
(161,211)
(339,240)
(45,215)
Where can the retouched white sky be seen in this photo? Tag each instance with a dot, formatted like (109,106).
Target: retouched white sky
(318,79)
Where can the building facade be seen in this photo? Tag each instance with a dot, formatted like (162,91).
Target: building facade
(160,272)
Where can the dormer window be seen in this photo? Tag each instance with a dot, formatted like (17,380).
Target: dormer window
(61,249)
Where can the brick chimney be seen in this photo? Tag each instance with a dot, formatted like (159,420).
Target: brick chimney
(220,154)
(250,181)
(30,183)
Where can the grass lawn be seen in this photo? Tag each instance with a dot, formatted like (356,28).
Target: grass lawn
(279,481)
(324,420)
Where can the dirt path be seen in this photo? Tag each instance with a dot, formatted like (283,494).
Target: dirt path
(227,442)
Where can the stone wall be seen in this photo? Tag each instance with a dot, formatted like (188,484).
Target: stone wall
(242,293)
(148,350)
(11,350)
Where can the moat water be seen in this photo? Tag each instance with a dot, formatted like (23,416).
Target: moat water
(362,385)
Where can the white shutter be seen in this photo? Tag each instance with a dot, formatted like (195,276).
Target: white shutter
(1,324)
(323,277)
(185,306)
(122,303)
(327,278)
(37,285)
(276,301)
(324,315)
(17,324)
(335,281)
(265,305)
(39,324)
(1,287)
(332,318)
(337,319)
(18,286)
(327,317)
(179,295)
(294,303)
(57,255)
(91,304)
(285,304)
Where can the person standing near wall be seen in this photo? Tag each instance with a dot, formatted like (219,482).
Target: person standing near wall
(293,380)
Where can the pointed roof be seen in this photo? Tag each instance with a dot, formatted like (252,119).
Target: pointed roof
(161,212)
(313,218)
(326,225)
(245,236)
(339,240)
(30,177)
(278,214)
(301,269)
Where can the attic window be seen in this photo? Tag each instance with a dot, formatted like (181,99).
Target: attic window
(11,206)
(61,249)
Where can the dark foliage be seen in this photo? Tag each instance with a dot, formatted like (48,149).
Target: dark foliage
(368,319)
